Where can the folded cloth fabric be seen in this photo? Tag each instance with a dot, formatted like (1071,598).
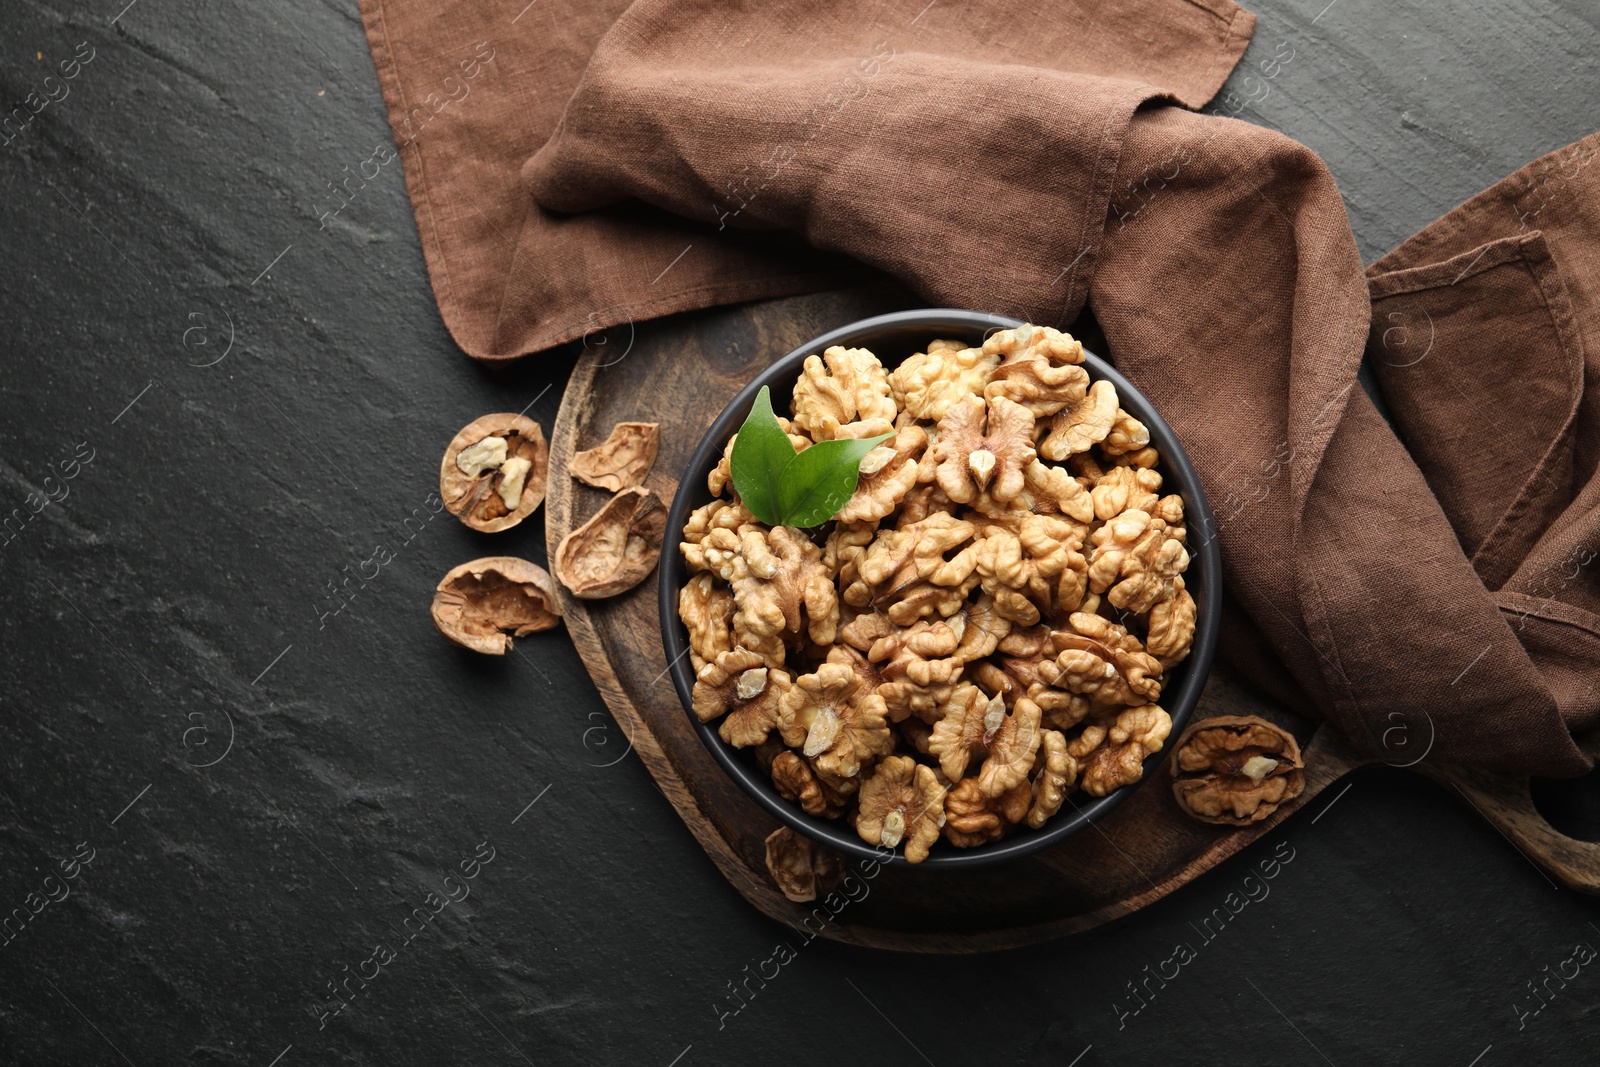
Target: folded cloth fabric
(1431,577)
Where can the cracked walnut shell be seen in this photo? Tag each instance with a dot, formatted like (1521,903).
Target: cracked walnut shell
(1234,770)
(615,549)
(482,605)
(493,473)
(799,865)
(902,802)
(621,460)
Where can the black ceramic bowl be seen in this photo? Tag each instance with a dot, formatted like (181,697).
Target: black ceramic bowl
(892,338)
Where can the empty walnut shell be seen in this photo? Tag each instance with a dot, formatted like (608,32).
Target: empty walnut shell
(614,550)
(621,460)
(1234,770)
(799,866)
(483,604)
(493,474)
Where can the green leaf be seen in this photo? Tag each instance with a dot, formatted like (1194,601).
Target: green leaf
(821,478)
(761,453)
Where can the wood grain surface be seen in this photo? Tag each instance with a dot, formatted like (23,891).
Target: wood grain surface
(681,372)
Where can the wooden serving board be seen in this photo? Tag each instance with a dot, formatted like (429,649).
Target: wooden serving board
(681,372)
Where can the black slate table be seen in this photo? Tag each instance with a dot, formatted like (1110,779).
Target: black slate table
(254,811)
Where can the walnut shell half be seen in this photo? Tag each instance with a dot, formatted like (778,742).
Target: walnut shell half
(493,474)
(621,460)
(483,604)
(1234,770)
(614,550)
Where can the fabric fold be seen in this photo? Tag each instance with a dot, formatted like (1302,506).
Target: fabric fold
(1431,575)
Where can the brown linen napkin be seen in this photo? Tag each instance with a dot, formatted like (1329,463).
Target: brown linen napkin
(993,158)
(474,90)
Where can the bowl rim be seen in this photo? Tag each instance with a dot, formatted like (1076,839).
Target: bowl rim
(1179,701)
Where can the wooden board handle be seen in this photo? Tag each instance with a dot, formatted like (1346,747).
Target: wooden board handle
(1507,802)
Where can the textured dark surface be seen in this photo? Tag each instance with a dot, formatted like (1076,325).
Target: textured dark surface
(177,596)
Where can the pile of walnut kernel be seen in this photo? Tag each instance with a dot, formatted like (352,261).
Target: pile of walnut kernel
(984,625)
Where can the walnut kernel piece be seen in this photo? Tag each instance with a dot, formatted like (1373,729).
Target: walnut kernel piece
(614,550)
(1123,489)
(1135,560)
(1171,629)
(907,568)
(799,865)
(794,780)
(1128,435)
(707,613)
(717,515)
(1117,759)
(843,393)
(1041,369)
(740,685)
(780,582)
(1012,741)
(886,475)
(621,460)
(984,447)
(483,604)
(901,803)
(1234,770)
(959,737)
(974,818)
(833,717)
(493,474)
(927,383)
(1082,424)
(1054,774)
(1100,659)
